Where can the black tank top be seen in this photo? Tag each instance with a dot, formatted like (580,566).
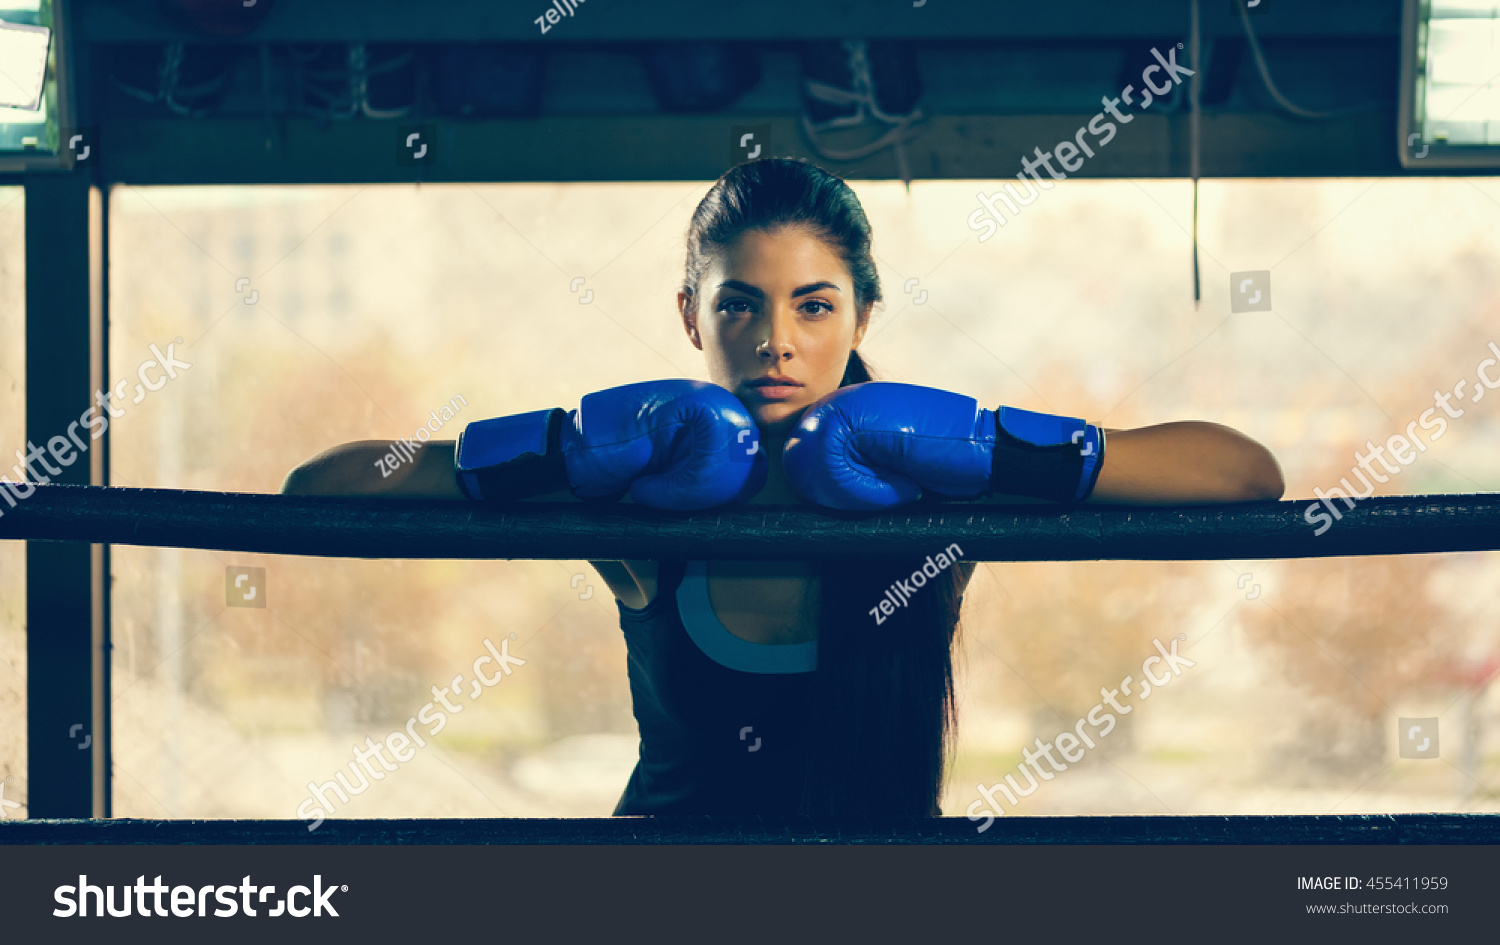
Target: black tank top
(714,740)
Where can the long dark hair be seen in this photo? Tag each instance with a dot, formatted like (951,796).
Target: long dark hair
(883,717)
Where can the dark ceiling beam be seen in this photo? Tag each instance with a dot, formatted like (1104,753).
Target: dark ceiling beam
(665,147)
(610,21)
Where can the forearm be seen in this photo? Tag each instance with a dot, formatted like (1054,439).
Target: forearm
(359,468)
(1183,462)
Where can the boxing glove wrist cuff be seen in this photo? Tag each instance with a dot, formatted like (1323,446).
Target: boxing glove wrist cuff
(514,457)
(1093,463)
(1045,456)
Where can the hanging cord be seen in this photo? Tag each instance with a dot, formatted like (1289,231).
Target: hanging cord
(169,90)
(862,97)
(1195,141)
(1265,76)
(361,68)
(340,93)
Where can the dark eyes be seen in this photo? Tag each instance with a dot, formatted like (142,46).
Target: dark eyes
(744,306)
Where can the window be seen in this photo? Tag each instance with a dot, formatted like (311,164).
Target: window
(311,316)
(12,553)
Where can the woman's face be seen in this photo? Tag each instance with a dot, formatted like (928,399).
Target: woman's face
(776,319)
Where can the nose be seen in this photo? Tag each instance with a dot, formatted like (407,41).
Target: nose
(777,345)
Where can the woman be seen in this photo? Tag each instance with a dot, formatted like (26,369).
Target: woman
(767,687)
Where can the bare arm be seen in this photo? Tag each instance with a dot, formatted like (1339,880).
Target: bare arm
(1180,463)
(1186,461)
(352,469)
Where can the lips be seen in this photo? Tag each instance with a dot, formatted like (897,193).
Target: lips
(774,387)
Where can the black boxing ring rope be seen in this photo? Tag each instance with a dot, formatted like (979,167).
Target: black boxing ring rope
(363,527)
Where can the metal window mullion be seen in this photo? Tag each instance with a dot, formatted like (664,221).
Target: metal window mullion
(62,697)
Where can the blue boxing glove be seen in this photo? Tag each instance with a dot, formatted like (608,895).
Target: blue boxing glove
(880,444)
(672,444)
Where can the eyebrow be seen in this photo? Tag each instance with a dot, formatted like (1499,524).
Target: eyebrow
(748,289)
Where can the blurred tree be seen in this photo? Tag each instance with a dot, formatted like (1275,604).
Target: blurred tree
(1065,629)
(1360,635)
